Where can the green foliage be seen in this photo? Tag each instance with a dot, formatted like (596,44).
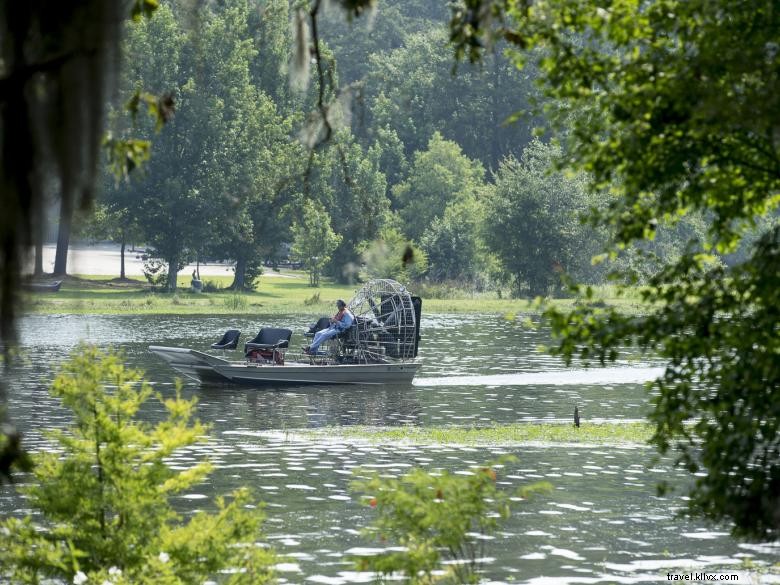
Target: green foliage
(453,243)
(312,300)
(389,151)
(392,255)
(236,303)
(160,108)
(532,221)
(211,286)
(143,8)
(410,88)
(632,433)
(213,184)
(254,270)
(314,240)
(716,409)
(440,175)
(124,156)
(103,496)
(360,204)
(435,517)
(673,107)
(154,272)
(12,456)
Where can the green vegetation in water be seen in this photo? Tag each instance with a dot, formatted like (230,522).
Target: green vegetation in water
(630,433)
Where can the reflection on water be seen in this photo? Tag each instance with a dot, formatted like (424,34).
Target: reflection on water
(596,376)
(603,522)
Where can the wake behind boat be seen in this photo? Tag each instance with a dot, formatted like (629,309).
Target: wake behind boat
(380,347)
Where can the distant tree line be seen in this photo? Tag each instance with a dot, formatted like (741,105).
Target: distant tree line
(420,160)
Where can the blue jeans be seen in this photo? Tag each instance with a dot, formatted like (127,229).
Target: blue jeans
(321,336)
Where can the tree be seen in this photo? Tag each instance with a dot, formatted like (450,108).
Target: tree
(269,25)
(359,206)
(412,89)
(532,221)
(674,106)
(58,67)
(440,175)
(115,222)
(392,255)
(104,497)
(314,240)
(166,205)
(389,150)
(352,40)
(218,168)
(433,518)
(39,46)
(453,243)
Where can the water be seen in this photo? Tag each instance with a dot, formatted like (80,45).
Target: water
(602,522)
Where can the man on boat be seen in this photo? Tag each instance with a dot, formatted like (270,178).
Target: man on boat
(341,321)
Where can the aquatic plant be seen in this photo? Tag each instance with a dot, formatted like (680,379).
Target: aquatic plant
(436,523)
(498,434)
(102,498)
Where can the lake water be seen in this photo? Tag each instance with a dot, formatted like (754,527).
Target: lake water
(602,523)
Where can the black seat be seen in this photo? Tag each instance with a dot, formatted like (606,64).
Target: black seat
(229,340)
(268,343)
(322,323)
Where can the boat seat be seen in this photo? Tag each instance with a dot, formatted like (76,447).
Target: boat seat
(350,334)
(347,343)
(322,323)
(229,340)
(270,344)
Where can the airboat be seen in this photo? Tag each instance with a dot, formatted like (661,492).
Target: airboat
(380,347)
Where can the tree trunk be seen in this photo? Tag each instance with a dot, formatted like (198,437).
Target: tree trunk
(38,271)
(122,258)
(40,230)
(173,265)
(239,280)
(63,239)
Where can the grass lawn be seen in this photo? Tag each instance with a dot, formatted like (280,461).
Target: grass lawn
(283,293)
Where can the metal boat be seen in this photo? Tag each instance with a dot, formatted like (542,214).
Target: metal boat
(380,347)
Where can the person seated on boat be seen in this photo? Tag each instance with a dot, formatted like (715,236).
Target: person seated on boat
(341,321)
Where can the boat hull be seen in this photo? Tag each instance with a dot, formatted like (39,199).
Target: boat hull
(207,368)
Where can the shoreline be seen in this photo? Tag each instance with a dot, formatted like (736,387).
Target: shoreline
(285,292)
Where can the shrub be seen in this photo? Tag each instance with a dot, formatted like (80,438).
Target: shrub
(431,518)
(211,286)
(103,498)
(312,300)
(236,303)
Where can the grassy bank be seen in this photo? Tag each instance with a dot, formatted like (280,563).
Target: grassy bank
(283,293)
(629,434)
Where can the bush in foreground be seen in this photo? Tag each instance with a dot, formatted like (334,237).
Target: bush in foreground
(103,498)
(436,523)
